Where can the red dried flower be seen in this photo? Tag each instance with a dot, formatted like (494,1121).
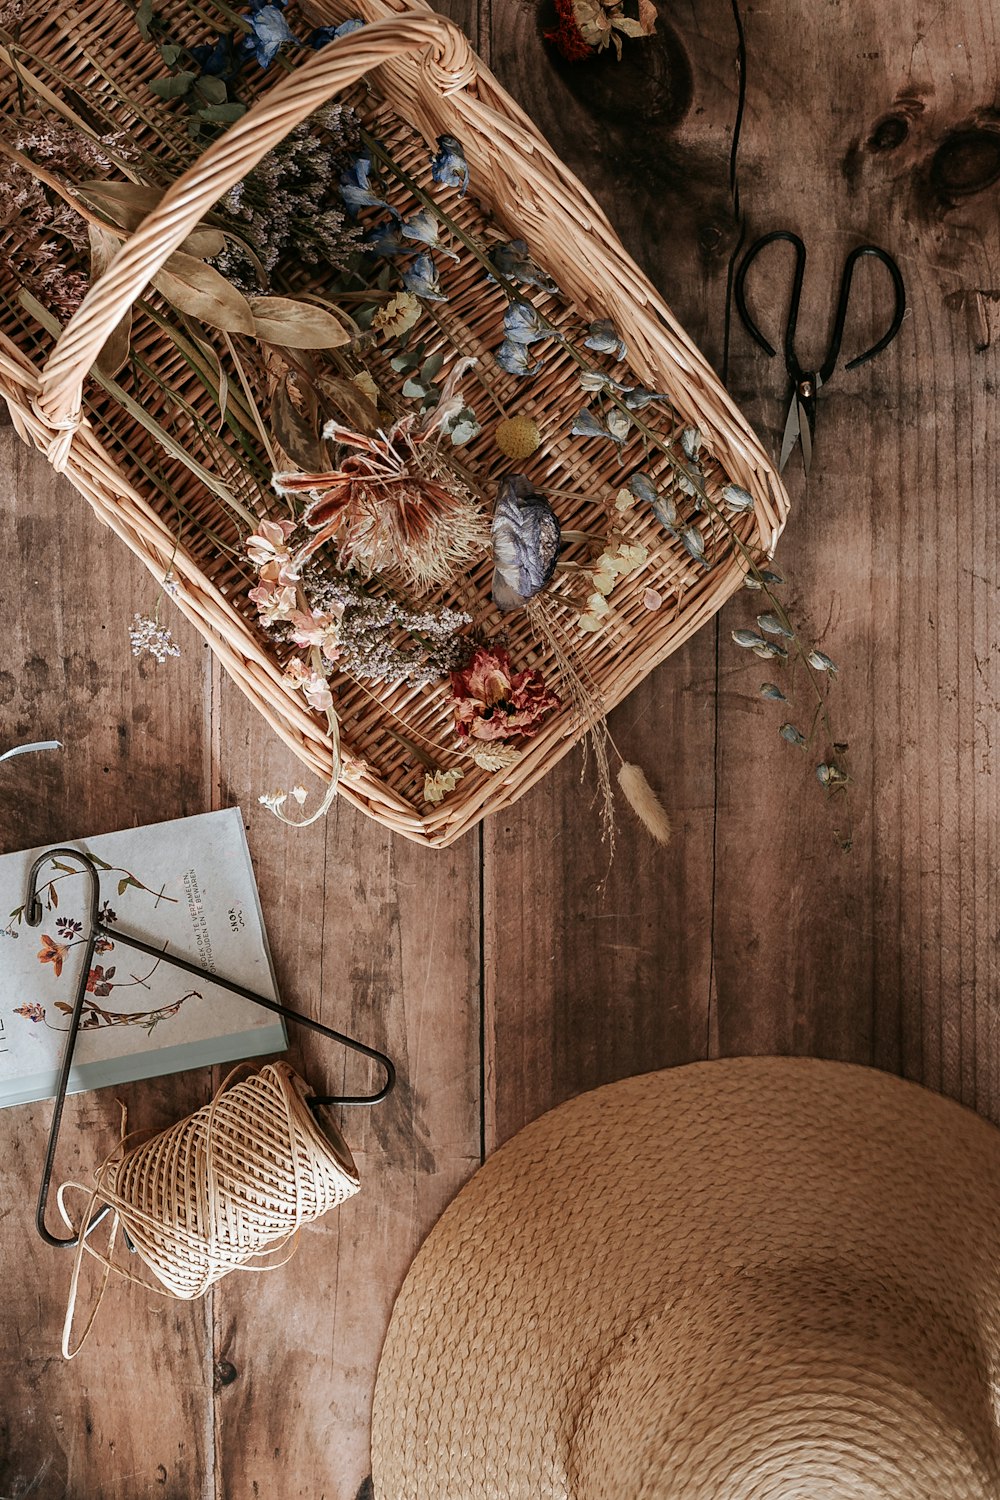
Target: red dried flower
(566,34)
(493,702)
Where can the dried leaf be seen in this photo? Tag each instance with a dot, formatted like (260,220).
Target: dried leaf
(204,293)
(629,27)
(296,428)
(366,386)
(296,325)
(128,203)
(360,413)
(104,246)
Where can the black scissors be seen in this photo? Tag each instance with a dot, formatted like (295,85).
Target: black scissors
(800,424)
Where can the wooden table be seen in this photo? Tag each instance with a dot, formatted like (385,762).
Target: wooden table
(508,974)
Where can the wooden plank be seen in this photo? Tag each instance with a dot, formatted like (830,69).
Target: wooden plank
(131,1415)
(591,975)
(379,938)
(887,955)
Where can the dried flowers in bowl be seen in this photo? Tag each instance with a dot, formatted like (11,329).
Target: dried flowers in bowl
(417,475)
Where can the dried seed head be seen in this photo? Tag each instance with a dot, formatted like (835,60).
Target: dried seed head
(518,437)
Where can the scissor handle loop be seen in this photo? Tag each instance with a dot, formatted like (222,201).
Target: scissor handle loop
(844,298)
(739,292)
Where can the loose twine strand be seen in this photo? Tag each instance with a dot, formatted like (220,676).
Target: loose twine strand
(226,1189)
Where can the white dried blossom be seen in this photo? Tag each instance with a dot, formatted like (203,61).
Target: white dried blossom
(438,785)
(272,800)
(149,638)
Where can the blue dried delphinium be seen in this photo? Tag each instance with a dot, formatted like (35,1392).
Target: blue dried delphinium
(421,278)
(449,167)
(324,34)
(515,359)
(356,189)
(513,262)
(423,227)
(268,33)
(524,324)
(386,239)
(603,337)
(526,538)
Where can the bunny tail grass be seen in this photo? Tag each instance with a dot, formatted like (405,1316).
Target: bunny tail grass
(644,802)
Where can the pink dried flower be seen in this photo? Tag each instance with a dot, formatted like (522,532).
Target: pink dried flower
(274,601)
(267,544)
(315,629)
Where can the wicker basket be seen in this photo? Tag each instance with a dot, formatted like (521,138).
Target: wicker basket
(419,72)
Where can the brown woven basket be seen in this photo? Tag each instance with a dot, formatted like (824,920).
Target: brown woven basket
(419,71)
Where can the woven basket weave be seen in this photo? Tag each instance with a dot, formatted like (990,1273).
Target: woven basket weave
(419,71)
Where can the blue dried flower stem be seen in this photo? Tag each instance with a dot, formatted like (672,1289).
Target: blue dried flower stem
(378,151)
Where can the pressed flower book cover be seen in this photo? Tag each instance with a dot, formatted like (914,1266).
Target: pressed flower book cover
(187,887)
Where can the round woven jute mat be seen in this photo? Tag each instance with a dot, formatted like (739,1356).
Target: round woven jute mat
(753,1279)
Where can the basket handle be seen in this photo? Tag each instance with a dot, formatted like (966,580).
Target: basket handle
(226,162)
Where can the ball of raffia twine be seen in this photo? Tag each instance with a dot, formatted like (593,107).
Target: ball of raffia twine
(224,1190)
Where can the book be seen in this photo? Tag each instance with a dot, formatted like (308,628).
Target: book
(186,886)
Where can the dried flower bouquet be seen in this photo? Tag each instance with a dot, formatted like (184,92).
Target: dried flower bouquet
(438,497)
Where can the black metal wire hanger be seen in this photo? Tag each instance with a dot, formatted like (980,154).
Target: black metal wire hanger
(33,913)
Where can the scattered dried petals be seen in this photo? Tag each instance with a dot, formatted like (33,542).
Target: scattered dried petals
(651,599)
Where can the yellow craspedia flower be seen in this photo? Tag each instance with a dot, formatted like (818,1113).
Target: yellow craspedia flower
(517,437)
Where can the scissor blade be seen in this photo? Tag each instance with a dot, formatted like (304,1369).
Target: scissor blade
(791,432)
(805,434)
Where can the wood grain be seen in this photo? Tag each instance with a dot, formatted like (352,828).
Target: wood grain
(593,973)
(136,749)
(380,939)
(887,955)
